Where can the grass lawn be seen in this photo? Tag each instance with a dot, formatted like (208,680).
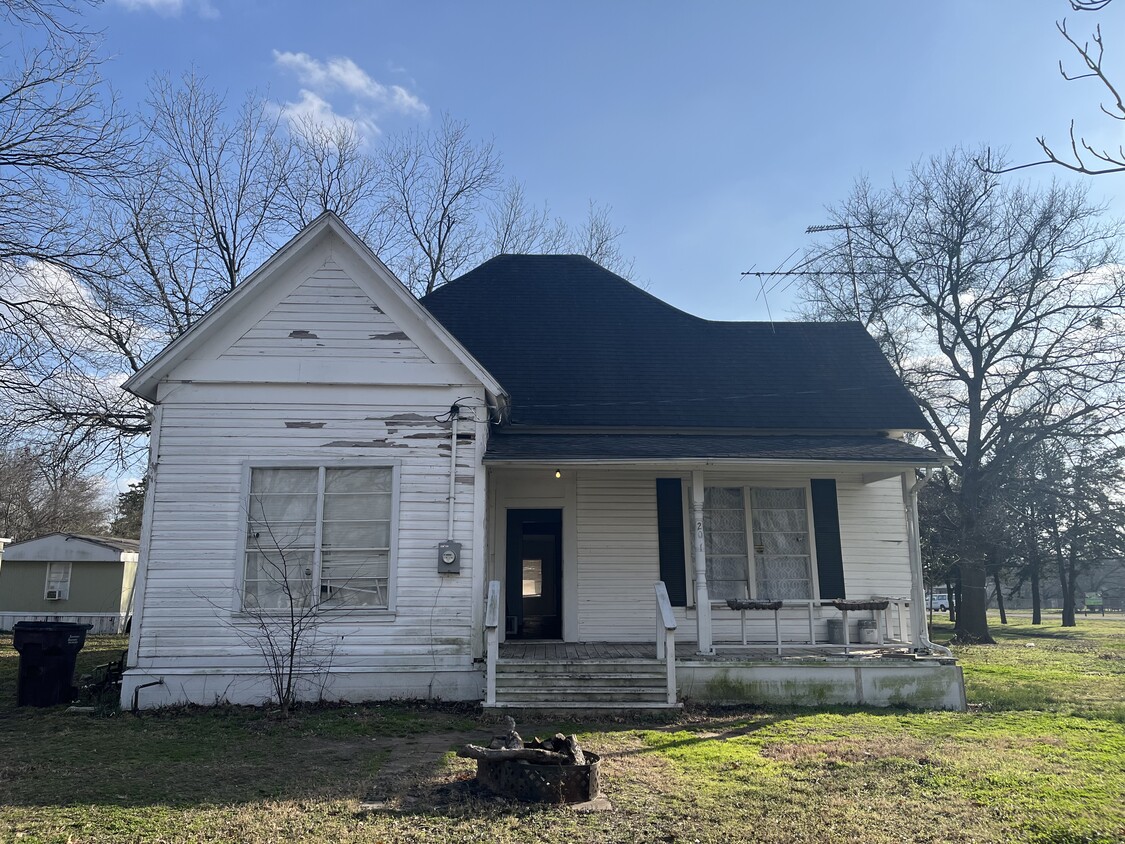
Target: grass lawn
(1041,758)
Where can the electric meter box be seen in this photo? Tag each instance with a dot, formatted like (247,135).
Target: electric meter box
(449,557)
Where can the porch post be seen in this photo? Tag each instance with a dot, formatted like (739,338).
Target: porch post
(702,601)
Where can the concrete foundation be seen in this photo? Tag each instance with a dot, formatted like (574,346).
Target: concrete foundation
(922,684)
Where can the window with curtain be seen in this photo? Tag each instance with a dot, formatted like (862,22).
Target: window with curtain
(779,565)
(319,536)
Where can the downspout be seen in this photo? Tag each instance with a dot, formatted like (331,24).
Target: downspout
(917,589)
(456,412)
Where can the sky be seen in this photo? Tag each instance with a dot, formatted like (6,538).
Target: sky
(717,131)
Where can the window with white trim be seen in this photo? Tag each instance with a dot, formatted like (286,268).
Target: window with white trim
(57,587)
(319,536)
(757,543)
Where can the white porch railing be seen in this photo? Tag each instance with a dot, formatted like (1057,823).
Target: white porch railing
(886,622)
(666,637)
(491,640)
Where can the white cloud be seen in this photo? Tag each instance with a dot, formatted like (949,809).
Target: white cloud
(171,8)
(342,73)
(311,107)
(340,92)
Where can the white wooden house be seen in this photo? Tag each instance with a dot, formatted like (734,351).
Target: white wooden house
(536,474)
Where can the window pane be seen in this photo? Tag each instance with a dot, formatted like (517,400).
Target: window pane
(356,534)
(275,579)
(532,578)
(782,555)
(724,537)
(354,578)
(270,480)
(292,507)
(280,536)
(366,479)
(357,506)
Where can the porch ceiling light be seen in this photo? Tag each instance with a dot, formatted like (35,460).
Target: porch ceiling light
(558,473)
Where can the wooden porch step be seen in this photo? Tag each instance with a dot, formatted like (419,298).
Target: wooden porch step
(623,683)
(549,705)
(571,667)
(585,679)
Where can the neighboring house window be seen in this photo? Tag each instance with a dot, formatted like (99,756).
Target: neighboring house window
(57,587)
(319,536)
(778,566)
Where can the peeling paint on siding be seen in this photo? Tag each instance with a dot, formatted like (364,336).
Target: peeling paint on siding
(302,334)
(304,424)
(363,444)
(393,335)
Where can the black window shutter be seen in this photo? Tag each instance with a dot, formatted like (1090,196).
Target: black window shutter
(826,529)
(670,528)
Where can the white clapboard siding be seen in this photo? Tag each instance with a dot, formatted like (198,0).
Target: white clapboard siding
(618,555)
(873,538)
(209,431)
(325,316)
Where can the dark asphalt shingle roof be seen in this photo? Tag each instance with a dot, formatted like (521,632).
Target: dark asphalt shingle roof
(504,447)
(576,345)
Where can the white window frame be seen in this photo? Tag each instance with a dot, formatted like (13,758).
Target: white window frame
(238,605)
(751,556)
(63,585)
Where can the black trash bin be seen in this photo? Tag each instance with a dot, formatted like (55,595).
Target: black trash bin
(47,652)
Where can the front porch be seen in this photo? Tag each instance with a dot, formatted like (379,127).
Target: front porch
(664,674)
(628,676)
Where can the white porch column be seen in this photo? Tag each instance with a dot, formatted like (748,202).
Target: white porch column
(702,601)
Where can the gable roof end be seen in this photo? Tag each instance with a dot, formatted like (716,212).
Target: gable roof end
(143,383)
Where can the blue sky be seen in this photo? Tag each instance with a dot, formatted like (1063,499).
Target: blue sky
(717,131)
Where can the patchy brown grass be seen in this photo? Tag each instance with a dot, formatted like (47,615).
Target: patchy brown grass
(1005,772)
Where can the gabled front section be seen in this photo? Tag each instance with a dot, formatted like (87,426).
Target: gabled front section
(316,440)
(651,508)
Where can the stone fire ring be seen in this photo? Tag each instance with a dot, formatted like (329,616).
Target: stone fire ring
(536,783)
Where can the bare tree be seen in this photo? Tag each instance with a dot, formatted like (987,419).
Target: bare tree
(330,170)
(1001,308)
(226,175)
(437,183)
(63,138)
(1081,155)
(600,240)
(518,228)
(47,491)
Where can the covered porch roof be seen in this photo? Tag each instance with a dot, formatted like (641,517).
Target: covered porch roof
(506,446)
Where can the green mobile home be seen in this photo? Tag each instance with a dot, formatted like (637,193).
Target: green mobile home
(68,577)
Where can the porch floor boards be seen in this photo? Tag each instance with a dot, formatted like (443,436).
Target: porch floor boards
(554,651)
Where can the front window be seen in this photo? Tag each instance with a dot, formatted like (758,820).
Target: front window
(318,536)
(778,564)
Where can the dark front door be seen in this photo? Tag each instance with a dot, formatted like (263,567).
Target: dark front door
(534,574)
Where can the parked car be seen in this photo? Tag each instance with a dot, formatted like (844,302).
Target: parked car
(939,602)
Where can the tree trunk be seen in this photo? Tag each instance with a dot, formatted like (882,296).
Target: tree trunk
(1069,607)
(999,597)
(972,606)
(952,597)
(1066,583)
(1036,597)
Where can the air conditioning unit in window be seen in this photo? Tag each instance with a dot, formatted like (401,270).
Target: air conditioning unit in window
(54,594)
